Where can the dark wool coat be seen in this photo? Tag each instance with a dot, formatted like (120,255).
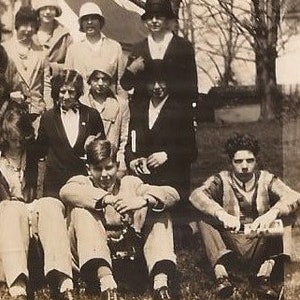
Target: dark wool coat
(172,133)
(179,65)
(64,161)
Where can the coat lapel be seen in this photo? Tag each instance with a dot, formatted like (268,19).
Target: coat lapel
(83,123)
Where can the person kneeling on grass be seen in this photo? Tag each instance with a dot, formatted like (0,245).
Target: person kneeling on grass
(237,198)
(101,204)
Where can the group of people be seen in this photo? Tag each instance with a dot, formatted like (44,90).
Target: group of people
(116,168)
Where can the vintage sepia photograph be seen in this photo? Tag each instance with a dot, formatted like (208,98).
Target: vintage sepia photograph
(149,149)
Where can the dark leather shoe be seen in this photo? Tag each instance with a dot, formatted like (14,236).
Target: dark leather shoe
(109,295)
(162,294)
(224,287)
(263,288)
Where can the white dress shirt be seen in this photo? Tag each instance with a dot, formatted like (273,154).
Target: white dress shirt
(154,111)
(158,49)
(70,120)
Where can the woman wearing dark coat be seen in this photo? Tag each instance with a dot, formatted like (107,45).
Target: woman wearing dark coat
(63,131)
(176,53)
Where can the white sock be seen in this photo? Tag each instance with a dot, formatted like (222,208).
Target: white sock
(18,288)
(66,284)
(160,280)
(107,282)
(266,268)
(220,271)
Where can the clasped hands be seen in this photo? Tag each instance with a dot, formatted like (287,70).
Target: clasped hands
(140,166)
(125,204)
(260,225)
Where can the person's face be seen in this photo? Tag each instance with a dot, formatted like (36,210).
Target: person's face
(104,174)
(26,31)
(91,25)
(100,83)
(67,96)
(158,89)
(244,163)
(156,24)
(47,14)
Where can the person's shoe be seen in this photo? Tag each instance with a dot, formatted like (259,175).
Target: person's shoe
(263,288)
(66,295)
(162,294)
(224,287)
(110,294)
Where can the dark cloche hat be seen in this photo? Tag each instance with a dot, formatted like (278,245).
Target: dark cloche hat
(158,8)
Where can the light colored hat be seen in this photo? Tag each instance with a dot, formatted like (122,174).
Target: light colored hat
(106,69)
(90,8)
(38,4)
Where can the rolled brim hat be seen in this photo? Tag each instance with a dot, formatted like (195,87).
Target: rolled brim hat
(106,69)
(162,8)
(38,4)
(90,8)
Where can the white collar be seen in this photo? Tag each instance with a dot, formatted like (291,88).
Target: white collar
(166,40)
(154,111)
(158,49)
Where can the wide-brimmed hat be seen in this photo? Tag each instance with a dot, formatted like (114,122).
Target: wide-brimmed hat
(161,8)
(38,4)
(90,8)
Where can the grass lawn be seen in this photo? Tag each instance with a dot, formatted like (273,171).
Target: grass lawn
(195,278)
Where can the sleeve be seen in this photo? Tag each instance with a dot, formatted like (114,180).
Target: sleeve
(122,61)
(207,198)
(166,195)
(125,116)
(41,145)
(288,199)
(128,79)
(79,192)
(97,124)
(191,73)
(57,67)
(70,57)
(184,146)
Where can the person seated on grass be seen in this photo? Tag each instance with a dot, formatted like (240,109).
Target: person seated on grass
(231,199)
(114,110)
(23,219)
(102,204)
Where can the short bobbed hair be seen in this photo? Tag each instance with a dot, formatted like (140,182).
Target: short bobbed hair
(98,149)
(239,142)
(25,15)
(66,77)
(15,124)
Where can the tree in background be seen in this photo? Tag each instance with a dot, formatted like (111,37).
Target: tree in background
(259,23)
(213,32)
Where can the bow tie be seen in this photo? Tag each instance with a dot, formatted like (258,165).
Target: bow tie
(74,108)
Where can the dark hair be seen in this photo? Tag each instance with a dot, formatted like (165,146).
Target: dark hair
(15,123)
(26,14)
(67,77)
(98,149)
(100,18)
(239,142)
